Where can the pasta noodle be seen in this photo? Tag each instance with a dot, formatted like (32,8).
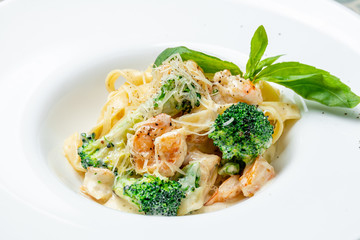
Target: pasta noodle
(71,146)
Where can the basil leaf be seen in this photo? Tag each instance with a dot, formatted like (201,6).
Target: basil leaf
(259,43)
(208,63)
(265,63)
(310,83)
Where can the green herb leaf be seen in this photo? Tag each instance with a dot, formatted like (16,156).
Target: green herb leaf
(310,83)
(259,43)
(265,63)
(208,63)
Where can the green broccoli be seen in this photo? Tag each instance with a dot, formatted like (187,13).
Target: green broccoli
(191,180)
(153,196)
(231,168)
(242,133)
(86,159)
(181,96)
(177,94)
(160,196)
(110,149)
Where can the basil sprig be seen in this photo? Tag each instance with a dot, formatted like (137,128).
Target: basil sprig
(309,82)
(209,64)
(258,46)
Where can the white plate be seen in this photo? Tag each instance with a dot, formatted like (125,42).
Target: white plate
(54,56)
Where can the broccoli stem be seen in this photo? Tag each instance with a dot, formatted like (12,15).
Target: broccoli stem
(192,177)
(229,168)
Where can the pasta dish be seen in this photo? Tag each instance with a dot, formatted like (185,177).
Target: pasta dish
(193,131)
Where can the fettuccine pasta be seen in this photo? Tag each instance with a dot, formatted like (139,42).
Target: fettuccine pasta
(158,123)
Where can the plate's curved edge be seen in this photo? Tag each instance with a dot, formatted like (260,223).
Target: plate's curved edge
(214,225)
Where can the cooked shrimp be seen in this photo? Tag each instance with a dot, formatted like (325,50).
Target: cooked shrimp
(229,189)
(142,143)
(170,152)
(233,89)
(255,176)
(155,146)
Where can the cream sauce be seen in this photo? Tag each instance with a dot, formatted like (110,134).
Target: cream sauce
(120,204)
(220,205)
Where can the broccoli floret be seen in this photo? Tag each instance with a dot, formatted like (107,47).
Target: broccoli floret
(177,94)
(242,133)
(160,196)
(181,96)
(153,196)
(86,157)
(104,152)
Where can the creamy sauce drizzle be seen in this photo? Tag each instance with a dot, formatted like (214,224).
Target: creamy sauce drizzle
(120,204)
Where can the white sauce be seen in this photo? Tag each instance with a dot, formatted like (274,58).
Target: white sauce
(120,204)
(220,205)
